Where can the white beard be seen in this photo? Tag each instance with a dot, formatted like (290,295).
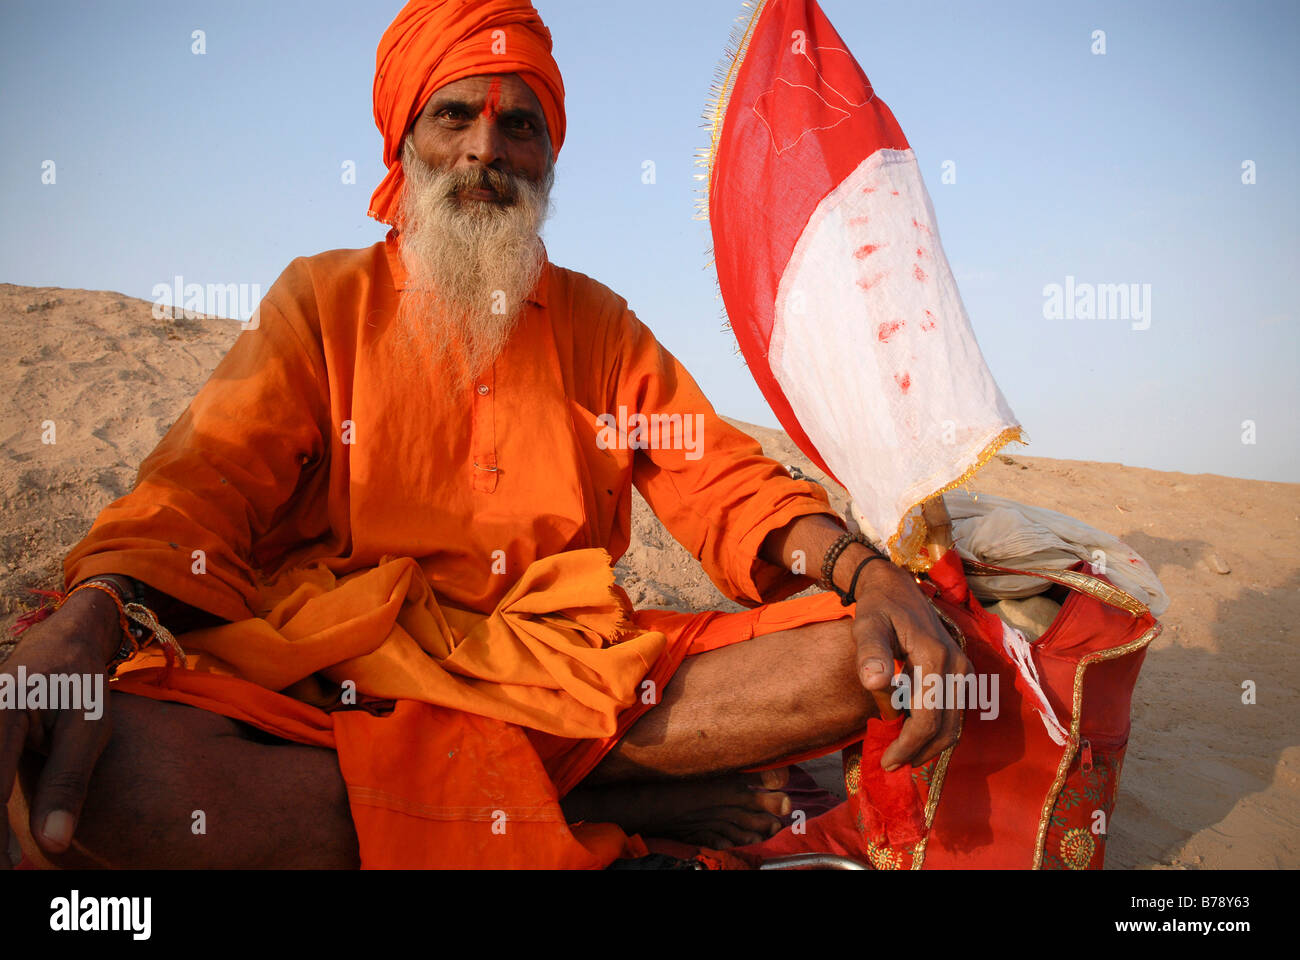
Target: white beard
(470,264)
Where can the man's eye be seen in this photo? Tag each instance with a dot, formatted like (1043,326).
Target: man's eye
(451,113)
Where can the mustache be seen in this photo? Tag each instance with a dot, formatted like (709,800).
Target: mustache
(506,186)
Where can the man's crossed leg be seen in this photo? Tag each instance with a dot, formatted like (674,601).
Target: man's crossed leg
(268,802)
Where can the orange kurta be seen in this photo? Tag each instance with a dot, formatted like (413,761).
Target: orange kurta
(364,529)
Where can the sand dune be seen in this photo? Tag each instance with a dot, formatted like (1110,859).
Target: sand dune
(1208,782)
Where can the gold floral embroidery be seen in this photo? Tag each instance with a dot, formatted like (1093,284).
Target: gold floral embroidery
(1072,745)
(883,858)
(1077,848)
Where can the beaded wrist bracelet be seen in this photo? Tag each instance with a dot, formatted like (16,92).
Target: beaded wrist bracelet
(827,581)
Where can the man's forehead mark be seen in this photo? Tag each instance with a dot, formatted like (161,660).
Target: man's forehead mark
(492,104)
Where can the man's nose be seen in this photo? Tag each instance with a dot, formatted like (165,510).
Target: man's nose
(486,144)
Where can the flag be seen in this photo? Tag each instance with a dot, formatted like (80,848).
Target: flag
(834,279)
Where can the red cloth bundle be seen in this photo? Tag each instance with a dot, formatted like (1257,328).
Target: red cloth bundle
(891,805)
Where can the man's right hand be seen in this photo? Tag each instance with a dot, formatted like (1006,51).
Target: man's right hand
(78,638)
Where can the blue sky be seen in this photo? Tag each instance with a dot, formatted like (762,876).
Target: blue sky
(1121,168)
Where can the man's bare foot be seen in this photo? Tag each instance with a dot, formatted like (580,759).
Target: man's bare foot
(727,811)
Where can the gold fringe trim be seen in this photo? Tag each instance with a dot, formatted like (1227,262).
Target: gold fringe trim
(1076,710)
(940,768)
(715,110)
(1094,587)
(907,546)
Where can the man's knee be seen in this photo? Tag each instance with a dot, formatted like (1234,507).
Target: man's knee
(830,686)
(147,768)
(180,786)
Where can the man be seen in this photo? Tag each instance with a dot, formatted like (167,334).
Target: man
(384,534)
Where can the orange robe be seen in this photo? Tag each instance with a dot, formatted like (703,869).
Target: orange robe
(370,537)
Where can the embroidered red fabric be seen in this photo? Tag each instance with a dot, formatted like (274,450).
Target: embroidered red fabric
(1006,796)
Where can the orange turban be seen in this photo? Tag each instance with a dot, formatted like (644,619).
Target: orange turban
(436,42)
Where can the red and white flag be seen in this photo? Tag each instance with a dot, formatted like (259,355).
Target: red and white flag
(834,279)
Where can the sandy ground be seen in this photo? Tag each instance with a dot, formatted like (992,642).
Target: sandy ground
(1209,782)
